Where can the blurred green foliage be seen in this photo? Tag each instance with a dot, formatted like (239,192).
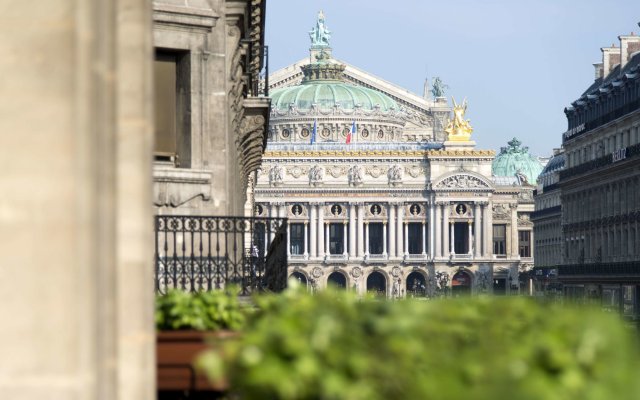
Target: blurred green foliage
(210,311)
(332,345)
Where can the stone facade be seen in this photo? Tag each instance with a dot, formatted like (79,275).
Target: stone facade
(398,210)
(76,214)
(600,186)
(221,116)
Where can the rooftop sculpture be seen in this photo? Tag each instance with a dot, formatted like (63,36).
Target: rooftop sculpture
(459,129)
(320,34)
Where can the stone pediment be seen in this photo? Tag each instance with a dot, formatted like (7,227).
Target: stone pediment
(462,181)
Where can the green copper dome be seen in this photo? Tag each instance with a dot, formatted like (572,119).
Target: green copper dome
(328,94)
(514,160)
(324,86)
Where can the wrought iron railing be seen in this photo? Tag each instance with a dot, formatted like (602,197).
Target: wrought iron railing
(197,253)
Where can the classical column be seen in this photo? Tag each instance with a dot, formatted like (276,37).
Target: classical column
(432,226)
(360,233)
(327,248)
(352,230)
(366,238)
(405,248)
(470,237)
(453,237)
(514,231)
(424,238)
(487,222)
(384,238)
(344,238)
(321,249)
(445,229)
(399,227)
(306,235)
(477,228)
(288,240)
(392,230)
(273,214)
(437,238)
(313,229)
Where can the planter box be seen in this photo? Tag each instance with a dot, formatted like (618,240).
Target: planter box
(176,352)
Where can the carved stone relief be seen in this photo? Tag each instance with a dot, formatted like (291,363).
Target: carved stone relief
(395,174)
(297,171)
(501,211)
(461,182)
(316,175)
(375,171)
(337,171)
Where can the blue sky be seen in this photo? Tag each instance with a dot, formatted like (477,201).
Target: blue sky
(519,63)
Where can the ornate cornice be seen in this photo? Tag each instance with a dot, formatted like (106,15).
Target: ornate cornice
(380,153)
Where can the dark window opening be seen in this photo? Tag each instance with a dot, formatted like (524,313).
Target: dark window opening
(375,238)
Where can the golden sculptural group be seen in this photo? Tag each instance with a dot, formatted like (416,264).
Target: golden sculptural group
(458,129)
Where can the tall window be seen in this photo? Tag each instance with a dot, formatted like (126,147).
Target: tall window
(171,77)
(258,246)
(296,239)
(375,238)
(336,238)
(524,243)
(500,239)
(415,237)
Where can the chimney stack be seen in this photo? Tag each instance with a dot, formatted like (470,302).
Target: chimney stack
(610,58)
(598,67)
(629,44)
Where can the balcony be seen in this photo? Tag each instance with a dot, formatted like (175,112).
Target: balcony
(465,256)
(336,257)
(196,253)
(375,258)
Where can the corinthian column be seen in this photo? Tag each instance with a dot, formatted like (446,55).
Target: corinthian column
(437,237)
(360,233)
(313,229)
(514,231)
(445,228)
(477,229)
(321,248)
(399,228)
(392,230)
(432,225)
(352,230)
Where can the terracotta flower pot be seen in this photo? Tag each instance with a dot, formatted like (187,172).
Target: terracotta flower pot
(176,352)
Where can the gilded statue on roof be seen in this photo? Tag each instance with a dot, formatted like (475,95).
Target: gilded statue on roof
(320,34)
(459,129)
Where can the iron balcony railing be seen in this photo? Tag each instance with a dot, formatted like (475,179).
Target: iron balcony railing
(198,253)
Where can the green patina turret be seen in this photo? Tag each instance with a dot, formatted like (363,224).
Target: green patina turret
(515,160)
(323,84)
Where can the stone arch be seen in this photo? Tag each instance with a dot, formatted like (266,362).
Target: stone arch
(461,282)
(300,277)
(377,283)
(416,284)
(338,279)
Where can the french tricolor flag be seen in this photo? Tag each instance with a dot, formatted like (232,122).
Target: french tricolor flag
(352,132)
